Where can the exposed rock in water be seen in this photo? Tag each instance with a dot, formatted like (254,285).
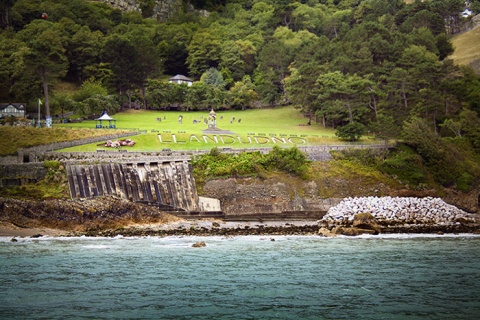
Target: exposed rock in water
(351,231)
(396,215)
(199,244)
(366,221)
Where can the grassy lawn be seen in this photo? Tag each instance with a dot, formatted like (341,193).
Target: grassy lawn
(280,120)
(285,123)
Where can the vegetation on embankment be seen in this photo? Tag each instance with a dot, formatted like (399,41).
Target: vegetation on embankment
(217,164)
(53,186)
(14,138)
(423,161)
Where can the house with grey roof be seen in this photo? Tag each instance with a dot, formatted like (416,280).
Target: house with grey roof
(179,79)
(12,109)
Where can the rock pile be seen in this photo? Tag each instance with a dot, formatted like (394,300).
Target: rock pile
(397,210)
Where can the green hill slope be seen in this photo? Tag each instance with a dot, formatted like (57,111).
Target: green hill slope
(467,49)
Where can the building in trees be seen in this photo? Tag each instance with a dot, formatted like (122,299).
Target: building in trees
(12,109)
(179,79)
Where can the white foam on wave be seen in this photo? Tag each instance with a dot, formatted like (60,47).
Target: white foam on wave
(410,236)
(186,241)
(97,246)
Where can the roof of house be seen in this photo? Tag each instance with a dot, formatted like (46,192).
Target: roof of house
(180,77)
(18,106)
(105,116)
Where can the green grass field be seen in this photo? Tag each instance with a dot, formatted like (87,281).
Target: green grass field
(255,129)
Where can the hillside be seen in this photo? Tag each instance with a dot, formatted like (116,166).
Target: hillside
(467,49)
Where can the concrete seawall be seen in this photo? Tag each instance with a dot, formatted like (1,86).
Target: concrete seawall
(168,184)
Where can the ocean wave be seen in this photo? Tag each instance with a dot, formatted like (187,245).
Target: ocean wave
(179,241)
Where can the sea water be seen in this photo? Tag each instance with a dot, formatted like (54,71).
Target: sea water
(298,277)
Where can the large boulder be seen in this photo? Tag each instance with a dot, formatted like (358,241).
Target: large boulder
(352,231)
(199,244)
(366,221)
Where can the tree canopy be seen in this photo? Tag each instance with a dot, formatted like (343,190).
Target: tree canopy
(341,62)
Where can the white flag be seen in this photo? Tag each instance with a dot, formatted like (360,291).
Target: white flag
(39,102)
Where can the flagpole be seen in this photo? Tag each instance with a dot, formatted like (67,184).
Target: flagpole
(39,103)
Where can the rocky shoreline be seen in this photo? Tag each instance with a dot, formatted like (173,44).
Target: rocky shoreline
(110,217)
(291,230)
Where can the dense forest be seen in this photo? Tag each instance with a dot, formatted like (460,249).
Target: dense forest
(344,61)
(352,65)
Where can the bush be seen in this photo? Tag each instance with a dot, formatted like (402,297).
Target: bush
(290,160)
(443,159)
(351,131)
(52,164)
(465,182)
(364,156)
(217,164)
(406,166)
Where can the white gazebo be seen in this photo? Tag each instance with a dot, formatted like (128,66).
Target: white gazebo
(112,123)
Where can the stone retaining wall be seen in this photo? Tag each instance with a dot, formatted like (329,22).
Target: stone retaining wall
(46,152)
(21,174)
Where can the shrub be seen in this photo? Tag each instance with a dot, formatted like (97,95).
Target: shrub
(465,182)
(217,164)
(52,164)
(290,160)
(406,166)
(364,156)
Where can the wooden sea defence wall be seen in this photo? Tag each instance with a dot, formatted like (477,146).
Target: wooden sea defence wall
(168,184)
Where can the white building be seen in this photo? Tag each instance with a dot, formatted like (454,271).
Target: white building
(12,109)
(179,79)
